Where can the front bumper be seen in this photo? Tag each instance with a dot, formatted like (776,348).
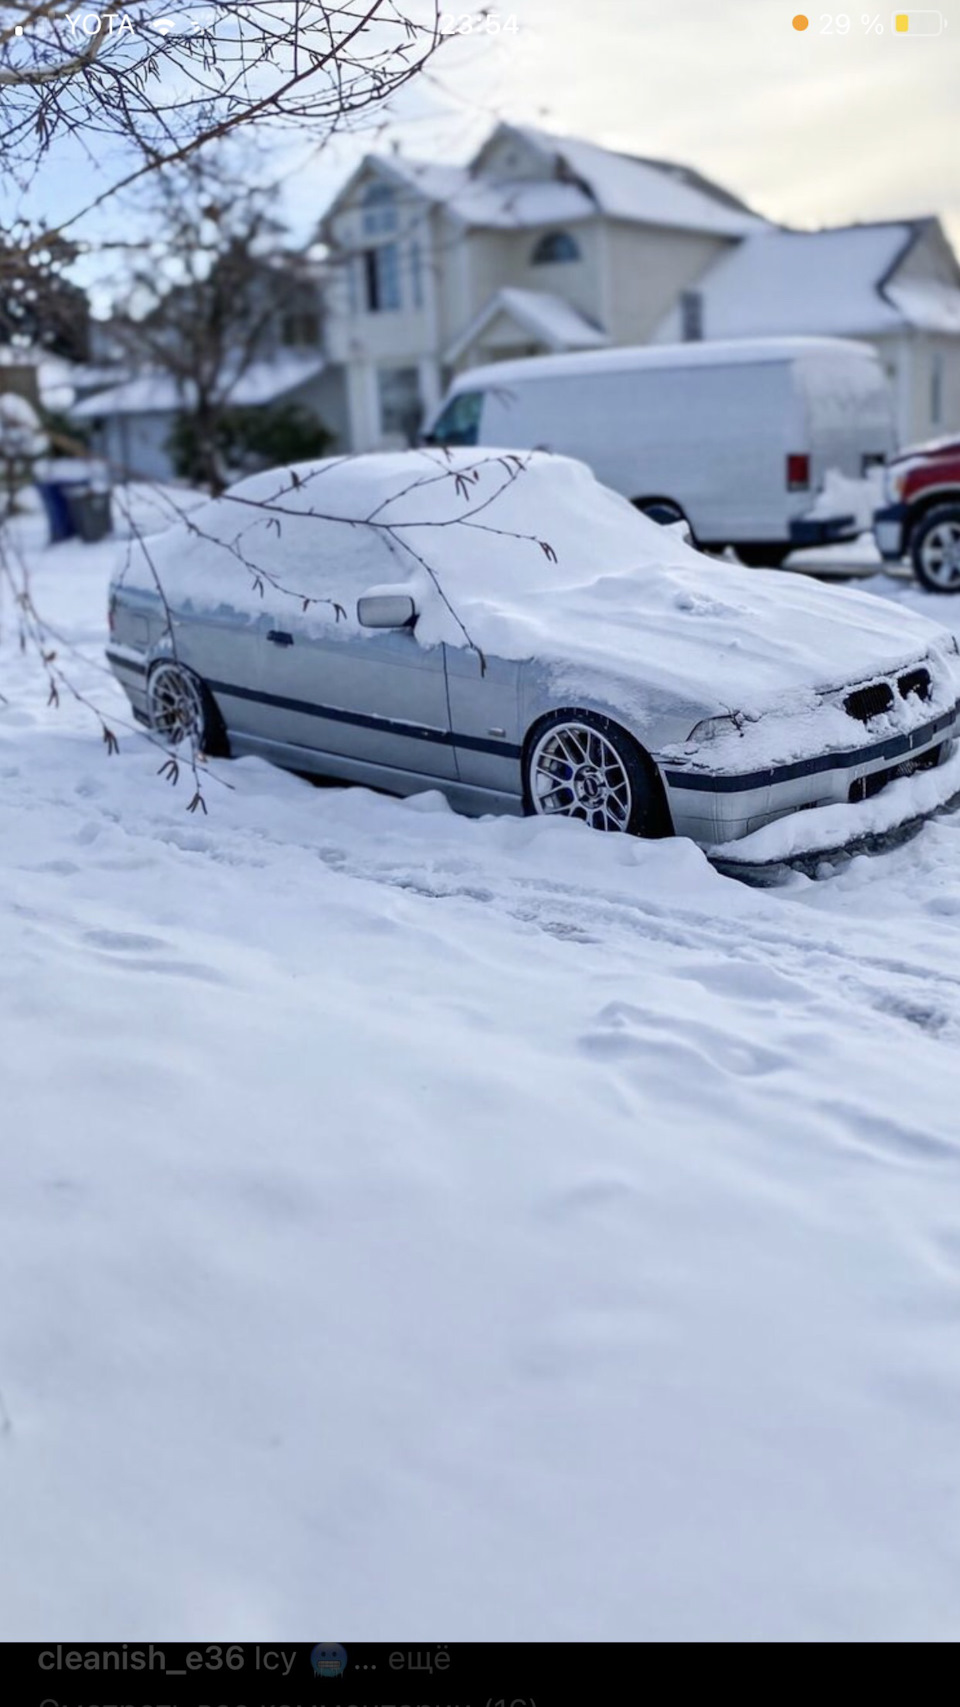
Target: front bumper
(890,532)
(716,809)
(816,841)
(821,530)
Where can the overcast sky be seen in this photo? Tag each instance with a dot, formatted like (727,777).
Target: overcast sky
(812,128)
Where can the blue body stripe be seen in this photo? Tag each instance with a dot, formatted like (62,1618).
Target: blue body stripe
(363,720)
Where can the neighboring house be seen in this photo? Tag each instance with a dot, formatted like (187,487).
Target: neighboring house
(541,244)
(895,284)
(278,359)
(130,424)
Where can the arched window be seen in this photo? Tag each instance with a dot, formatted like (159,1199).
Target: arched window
(555,246)
(379,209)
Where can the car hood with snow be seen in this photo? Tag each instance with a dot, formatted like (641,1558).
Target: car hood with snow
(531,558)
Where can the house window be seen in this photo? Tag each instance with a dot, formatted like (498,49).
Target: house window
(416,274)
(555,246)
(300,328)
(691,316)
(381,278)
(379,203)
(936,389)
(401,408)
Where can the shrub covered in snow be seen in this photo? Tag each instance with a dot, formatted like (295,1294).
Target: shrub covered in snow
(22,440)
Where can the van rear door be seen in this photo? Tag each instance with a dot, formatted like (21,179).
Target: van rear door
(849,410)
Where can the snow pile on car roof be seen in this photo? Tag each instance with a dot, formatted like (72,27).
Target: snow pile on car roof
(528,556)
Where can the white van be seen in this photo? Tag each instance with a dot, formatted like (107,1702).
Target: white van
(756,443)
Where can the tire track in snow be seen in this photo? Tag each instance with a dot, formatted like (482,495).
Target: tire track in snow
(580,913)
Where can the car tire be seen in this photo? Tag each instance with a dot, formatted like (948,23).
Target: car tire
(935,549)
(577,764)
(761,556)
(664,511)
(180,707)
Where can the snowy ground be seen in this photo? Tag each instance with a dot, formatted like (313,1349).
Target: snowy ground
(852,560)
(425,1228)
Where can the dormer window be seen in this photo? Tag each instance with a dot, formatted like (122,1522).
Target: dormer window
(379,203)
(555,246)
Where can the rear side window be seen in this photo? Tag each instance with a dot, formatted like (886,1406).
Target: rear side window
(459,422)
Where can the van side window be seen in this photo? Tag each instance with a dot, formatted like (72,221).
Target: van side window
(459,423)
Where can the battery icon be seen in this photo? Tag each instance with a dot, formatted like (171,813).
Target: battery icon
(919,23)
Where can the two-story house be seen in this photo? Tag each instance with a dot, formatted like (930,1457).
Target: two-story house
(541,244)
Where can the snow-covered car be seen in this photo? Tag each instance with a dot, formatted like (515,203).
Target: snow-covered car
(503,628)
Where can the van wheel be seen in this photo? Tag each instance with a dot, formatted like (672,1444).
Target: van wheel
(662,510)
(181,708)
(763,556)
(580,765)
(935,549)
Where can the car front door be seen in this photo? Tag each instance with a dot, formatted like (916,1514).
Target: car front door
(376,697)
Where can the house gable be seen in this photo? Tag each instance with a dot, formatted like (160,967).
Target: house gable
(510,155)
(927,256)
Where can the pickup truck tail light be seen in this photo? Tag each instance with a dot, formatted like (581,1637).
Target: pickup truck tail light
(798,472)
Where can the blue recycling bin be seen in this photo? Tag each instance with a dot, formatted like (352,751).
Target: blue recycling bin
(58,480)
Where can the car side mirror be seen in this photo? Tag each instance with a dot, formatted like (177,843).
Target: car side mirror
(386,610)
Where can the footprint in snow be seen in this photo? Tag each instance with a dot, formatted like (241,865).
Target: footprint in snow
(626,1032)
(123,942)
(944,906)
(877,1138)
(129,950)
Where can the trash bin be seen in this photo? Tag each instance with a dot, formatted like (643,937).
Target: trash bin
(53,494)
(90,512)
(56,478)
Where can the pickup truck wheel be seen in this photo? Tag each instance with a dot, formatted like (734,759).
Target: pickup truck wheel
(935,549)
(580,765)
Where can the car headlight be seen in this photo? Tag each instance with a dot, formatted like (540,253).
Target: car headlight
(893,484)
(714,728)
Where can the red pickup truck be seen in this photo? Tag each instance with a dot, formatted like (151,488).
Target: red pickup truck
(922,513)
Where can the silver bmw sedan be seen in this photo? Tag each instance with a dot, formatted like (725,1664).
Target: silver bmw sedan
(500,626)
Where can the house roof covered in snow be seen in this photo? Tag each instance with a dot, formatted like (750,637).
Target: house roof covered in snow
(548,318)
(582,180)
(824,282)
(160,393)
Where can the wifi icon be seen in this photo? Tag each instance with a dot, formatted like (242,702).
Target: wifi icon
(165,25)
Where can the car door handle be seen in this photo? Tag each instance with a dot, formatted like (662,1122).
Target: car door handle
(279,637)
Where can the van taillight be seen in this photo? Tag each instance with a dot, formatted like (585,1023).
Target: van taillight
(798,473)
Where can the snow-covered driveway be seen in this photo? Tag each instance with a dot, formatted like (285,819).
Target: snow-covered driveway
(416,1227)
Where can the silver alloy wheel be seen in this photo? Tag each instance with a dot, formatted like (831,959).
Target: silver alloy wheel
(575,772)
(940,554)
(176,704)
